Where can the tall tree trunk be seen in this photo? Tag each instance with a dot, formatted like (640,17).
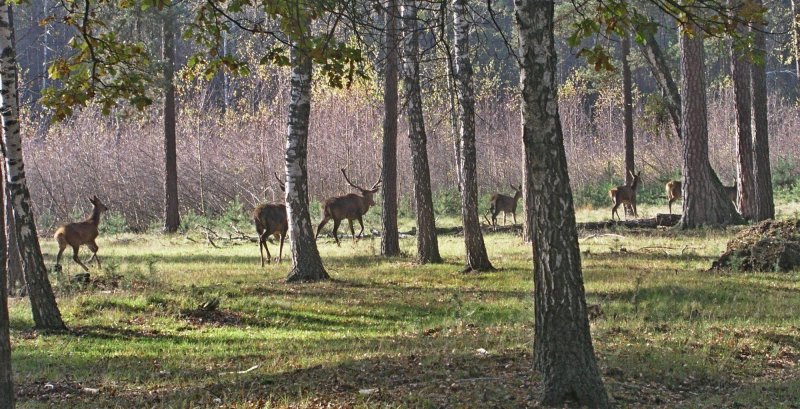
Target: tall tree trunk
(627,93)
(16,281)
(740,72)
(563,351)
(477,258)
(6,383)
(427,242)
(172,219)
(390,239)
(765,205)
(43,302)
(796,38)
(306,261)
(660,69)
(704,200)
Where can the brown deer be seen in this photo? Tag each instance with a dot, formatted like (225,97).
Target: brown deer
(506,204)
(270,220)
(674,192)
(352,206)
(79,233)
(625,194)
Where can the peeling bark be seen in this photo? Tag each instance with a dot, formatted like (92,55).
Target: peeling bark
(43,302)
(306,261)
(563,351)
(6,381)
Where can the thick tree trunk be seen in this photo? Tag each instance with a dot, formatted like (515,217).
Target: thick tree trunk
(43,302)
(562,342)
(658,65)
(477,258)
(306,261)
(172,218)
(6,384)
(390,239)
(16,280)
(627,94)
(427,242)
(765,204)
(704,200)
(740,72)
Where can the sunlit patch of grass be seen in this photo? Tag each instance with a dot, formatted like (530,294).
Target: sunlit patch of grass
(419,336)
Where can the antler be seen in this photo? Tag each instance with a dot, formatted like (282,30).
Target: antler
(280,182)
(349,182)
(377,184)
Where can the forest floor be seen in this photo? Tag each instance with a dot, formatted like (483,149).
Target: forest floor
(389,333)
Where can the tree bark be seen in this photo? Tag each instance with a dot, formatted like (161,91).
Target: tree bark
(172,219)
(16,280)
(704,200)
(306,261)
(765,204)
(6,382)
(740,72)
(477,258)
(796,38)
(627,94)
(658,65)
(427,242)
(390,239)
(43,302)
(563,351)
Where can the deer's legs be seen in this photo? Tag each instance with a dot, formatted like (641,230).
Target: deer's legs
(361,222)
(280,252)
(352,231)
(261,245)
(93,247)
(635,212)
(504,218)
(515,217)
(269,256)
(670,205)
(494,217)
(321,225)
(614,211)
(60,252)
(335,230)
(76,259)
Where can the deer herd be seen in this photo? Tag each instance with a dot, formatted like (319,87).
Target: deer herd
(271,219)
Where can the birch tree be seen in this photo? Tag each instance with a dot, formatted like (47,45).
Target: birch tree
(43,302)
(6,382)
(563,351)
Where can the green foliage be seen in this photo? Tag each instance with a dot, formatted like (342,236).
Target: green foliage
(447,202)
(113,223)
(786,172)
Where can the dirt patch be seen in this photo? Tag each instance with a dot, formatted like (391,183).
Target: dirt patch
(768,246)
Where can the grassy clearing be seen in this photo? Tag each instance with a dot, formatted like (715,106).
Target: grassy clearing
(388,333)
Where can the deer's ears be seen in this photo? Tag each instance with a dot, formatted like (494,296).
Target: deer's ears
(92,199)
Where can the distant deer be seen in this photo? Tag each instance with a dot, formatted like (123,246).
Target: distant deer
(506,204)
(79,233)
(271,220)
(351,206)
(674,192)
(625,194)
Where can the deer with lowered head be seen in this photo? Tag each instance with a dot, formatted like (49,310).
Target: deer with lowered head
(506,204)
(270,220)
(625,195)
(352,206)
(77,234)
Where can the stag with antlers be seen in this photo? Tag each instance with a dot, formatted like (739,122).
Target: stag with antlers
(270,220)
(80,233)
(352,206)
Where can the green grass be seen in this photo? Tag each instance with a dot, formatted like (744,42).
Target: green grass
(672,334)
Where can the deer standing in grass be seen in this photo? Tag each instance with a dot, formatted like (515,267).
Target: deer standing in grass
(270,220)
(506,204)
(625,195)
(352,206)
(674,192)
(80,233)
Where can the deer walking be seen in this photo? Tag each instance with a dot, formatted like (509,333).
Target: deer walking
(625,195)
(506,204)
(80,233)
(674,192)
(271,220)
(352,206)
